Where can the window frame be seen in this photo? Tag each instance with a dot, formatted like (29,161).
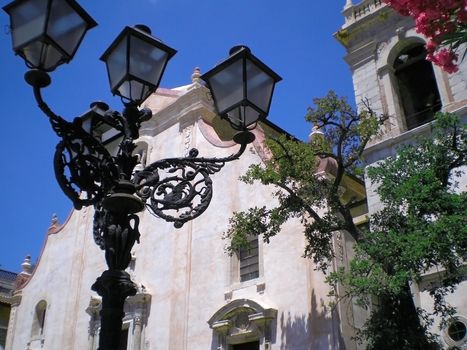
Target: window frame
(402,71)
(245,254)
(39,318)
(234,281)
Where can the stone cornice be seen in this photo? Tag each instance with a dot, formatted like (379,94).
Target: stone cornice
(359,12)
(258,312)
(187,108)
(387,147)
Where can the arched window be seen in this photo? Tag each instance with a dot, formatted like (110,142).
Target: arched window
(38,322)
(455,334)
(416,84)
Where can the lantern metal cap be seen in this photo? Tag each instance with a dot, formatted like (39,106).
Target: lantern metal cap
(144,28)
(143,32)
(237,48)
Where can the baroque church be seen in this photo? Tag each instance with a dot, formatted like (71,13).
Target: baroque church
(191,294)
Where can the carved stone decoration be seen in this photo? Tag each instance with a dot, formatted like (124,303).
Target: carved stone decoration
(340,246)
(93,309)
(380,48)
(187,138)
(136,309)
(25,275)
(242,320)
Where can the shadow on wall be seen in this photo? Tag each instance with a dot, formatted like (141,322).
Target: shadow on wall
(315,331)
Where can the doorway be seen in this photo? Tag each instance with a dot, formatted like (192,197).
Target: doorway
(247,346)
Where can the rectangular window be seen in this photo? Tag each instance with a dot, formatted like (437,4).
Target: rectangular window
(249,260)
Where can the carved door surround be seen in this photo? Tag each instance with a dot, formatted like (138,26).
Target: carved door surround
(242,321)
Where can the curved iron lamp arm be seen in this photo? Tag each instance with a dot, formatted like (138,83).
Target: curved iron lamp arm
(83,167)
(180,189)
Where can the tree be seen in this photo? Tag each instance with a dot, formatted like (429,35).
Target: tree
(443,22)
(423,223)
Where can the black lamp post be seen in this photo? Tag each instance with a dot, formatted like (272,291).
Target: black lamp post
(46,34)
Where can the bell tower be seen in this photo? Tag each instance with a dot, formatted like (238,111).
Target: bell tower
(386,57)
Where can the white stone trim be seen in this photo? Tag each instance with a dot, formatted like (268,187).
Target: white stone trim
(243,321)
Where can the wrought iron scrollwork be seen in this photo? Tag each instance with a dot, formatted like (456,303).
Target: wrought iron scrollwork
(116,233)
(84,169)
(179,189)
(84,172)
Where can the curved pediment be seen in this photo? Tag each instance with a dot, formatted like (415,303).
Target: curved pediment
(240,316)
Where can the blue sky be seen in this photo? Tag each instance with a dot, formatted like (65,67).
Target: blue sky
(294,38)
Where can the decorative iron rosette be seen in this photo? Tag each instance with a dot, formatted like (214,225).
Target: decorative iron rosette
(179,189)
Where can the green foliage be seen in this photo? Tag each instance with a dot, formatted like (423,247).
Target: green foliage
(422,226)
(300,193)
(254,222)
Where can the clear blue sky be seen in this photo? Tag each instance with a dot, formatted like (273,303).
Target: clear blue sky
(294,38)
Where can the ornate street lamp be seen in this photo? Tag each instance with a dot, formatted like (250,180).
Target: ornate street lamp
(242,88)
(135,63)
(46,34)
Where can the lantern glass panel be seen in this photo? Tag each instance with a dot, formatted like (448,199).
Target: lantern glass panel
(117,64)
(227,86)
(243,116)
(134,90)
(40,54)
(27,21)
(146,61)
(66,27)
(259,86)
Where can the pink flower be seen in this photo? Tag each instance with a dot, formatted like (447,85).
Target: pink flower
(434,19)
(422,23)
(445,59)
(431,46)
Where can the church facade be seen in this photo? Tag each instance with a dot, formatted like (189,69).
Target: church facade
(191,294)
